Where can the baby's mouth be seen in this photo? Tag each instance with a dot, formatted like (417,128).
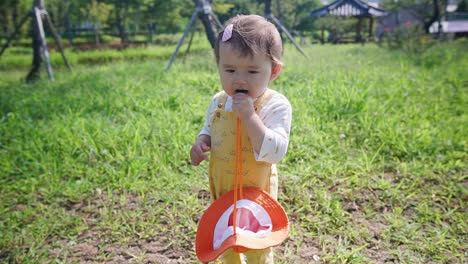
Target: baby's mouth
(244,91)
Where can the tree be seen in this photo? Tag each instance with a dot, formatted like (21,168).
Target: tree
(6,10)
(430,10)
(67,20)
(58,10)
(121,10)
(279,10)
(165,16)
(207,20)
(96,13)
(239,7)
(10,12)
(336,27)
(295,14)
(36,42)
(462,6)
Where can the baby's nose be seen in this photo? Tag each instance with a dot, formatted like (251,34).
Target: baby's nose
(240,81)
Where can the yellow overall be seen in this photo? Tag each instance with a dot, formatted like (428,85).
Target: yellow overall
(222,167)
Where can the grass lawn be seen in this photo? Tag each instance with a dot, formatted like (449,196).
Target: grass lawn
(94,167)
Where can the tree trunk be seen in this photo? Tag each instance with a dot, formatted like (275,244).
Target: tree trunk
(435,15)
(38,42)
(4,22)
(37,50)
(268,8)
(322,35)
(16,30)
(150,27)
(205,15)
(120,21)
(68,27)
(280,10)
(58,42)
(96,36)
(39,4)
(15,15)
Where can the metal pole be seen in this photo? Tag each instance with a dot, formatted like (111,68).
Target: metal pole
(187,30)
(57,40)
(278,24)
(190,40)
(18,27)
(37,14)
(216,20)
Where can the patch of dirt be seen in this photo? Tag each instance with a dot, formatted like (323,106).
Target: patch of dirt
(97,251)
(375,227)
(98,244)
(379,256)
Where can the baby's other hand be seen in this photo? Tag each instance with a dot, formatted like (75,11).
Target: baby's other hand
(197,153)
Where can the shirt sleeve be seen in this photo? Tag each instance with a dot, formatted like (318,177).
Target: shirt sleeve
(276,116)
(206,130)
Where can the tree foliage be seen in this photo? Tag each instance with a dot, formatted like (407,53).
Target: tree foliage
(11,11)
(127,18)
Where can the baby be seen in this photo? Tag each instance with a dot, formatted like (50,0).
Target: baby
(248,55)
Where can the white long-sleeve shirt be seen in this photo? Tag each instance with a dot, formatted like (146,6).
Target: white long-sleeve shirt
(276,115)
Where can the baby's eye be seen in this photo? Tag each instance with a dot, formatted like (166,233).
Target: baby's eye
(230,70)
(253,72)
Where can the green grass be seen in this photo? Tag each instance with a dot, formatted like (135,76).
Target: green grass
(94,166)
(20,58)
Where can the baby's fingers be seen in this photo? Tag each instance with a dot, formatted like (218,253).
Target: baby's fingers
(195,160)
(205,148)
(196,156)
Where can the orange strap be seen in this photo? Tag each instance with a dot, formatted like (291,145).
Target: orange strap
(237,172)
(239,157)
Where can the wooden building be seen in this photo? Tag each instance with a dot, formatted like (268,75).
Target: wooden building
(351,8)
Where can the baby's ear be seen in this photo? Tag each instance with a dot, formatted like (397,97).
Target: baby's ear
(275,71)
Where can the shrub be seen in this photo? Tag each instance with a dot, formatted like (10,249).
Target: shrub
(410,38)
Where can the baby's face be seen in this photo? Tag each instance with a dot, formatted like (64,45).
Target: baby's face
(248,74)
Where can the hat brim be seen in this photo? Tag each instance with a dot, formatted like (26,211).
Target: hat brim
(240,243)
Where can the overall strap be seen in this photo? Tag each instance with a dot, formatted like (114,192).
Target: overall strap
(263,99)
(222,100)
(237,172)
(238,184)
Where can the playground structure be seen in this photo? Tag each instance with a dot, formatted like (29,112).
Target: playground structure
(37,13)
(205,13)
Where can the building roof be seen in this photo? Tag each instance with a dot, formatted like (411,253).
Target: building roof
(355,8)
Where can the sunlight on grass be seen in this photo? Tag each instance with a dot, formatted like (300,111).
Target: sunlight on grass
(96,163)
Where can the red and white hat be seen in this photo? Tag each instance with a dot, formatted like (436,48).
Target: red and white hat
(260,223)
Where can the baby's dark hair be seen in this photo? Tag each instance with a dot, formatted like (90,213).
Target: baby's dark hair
(252,34)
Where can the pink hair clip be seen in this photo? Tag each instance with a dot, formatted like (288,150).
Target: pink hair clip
(227,34)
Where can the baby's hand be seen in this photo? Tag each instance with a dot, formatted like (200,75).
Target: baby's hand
(242,104)
(197,153)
